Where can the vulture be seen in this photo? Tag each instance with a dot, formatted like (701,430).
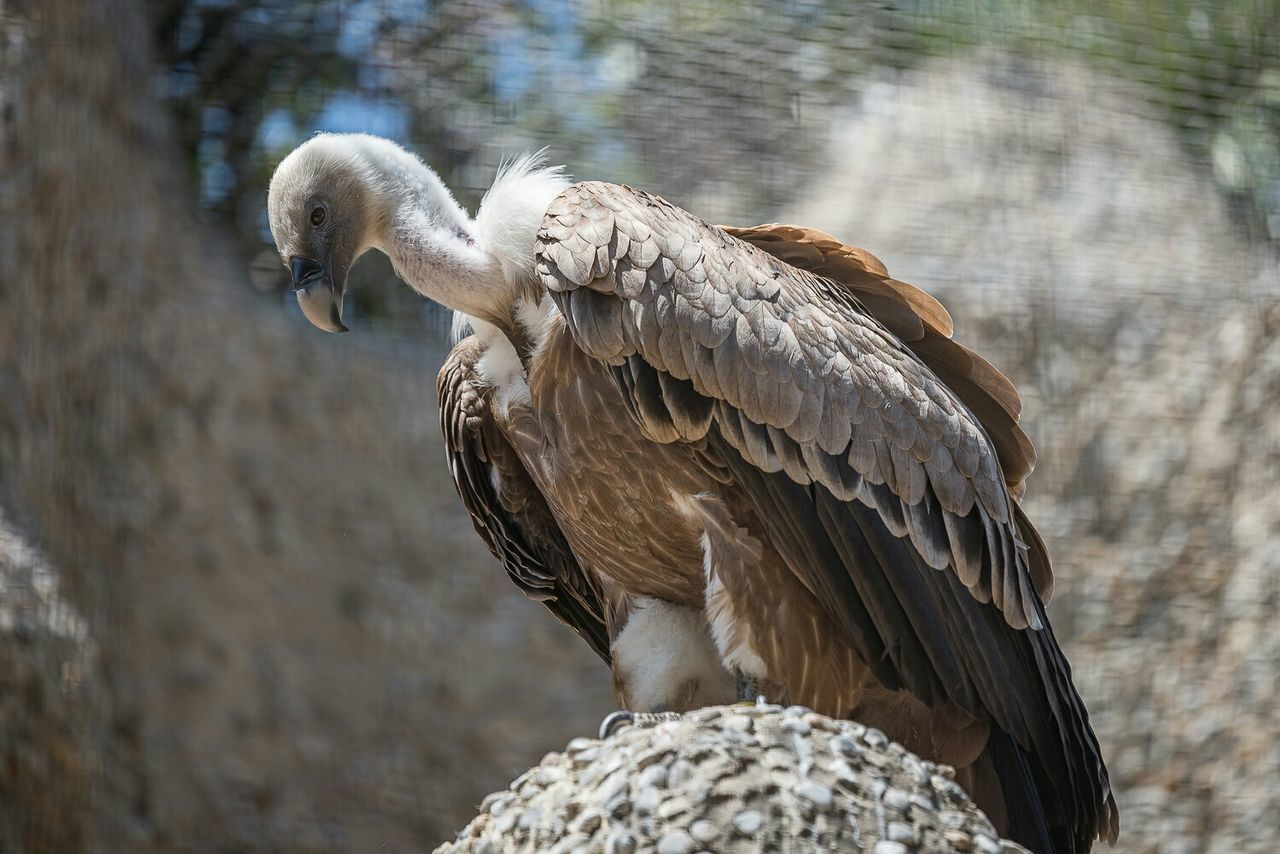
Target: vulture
(733,460)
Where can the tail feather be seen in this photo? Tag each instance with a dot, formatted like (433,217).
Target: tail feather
(1008,786)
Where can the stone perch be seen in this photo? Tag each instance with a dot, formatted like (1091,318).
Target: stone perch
(732,778)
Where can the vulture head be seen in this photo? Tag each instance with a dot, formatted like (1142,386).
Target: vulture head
(322,212)
(338,195)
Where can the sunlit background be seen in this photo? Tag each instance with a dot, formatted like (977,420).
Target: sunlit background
(733,110)
(1091,187)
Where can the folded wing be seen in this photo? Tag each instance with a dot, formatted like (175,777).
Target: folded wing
(882,489)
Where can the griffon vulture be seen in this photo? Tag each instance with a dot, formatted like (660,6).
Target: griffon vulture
(732,460)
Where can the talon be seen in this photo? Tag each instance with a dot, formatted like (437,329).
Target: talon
(615,722)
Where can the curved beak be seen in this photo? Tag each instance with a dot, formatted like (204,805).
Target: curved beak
(313,286)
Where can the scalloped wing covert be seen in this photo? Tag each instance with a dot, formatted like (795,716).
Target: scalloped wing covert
(799,376)
(924,325)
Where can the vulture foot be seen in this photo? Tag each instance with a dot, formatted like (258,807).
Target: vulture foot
(614,722)
(618,721)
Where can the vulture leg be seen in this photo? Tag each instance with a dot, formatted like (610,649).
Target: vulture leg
(748,688)
(664,660)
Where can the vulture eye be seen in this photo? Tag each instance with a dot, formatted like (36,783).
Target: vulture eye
(318,215)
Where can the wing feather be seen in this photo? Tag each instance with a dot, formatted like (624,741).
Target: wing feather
(507,510)
(918,320)
(890,499)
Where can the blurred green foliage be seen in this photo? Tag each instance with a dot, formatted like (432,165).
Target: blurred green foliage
(721,105)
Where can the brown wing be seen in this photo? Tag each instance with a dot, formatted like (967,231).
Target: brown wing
(880,487)
(507,510)
(920,322)
(924,325)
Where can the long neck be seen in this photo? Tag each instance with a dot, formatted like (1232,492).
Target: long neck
(433,246)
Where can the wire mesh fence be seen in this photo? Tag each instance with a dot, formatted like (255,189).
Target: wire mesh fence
(727,108)
(1092,188)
